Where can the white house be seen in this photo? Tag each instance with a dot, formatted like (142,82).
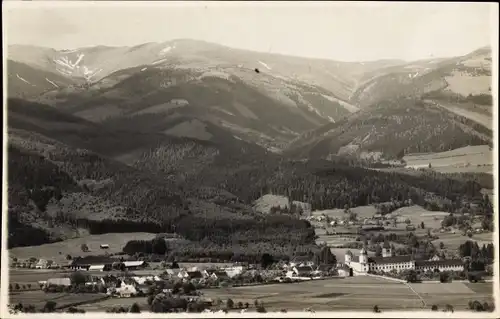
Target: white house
(183,274)
(42,264)
(97,268)
(233,271)
(135,264)
(126,290)
(59,282)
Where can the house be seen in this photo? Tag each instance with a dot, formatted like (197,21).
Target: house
(97,268)
(136,264)
(303,271)
(58,282)
(234,271)
(172,272)
(126,290)
(183,274)
(87,261)
(104,246)
(42,264)
(220,275)
(435,258)
(141,280)
(344,271)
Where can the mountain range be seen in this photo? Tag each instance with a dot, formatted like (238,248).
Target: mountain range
(181,130)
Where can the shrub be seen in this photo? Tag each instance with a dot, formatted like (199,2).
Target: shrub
(150,299)
(434,308)
(376,309)
(444,277)
(135,308)
(50,306)
(261,309)
(230,303)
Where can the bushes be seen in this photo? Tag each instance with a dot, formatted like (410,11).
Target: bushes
(50,306)
(478,306)
(135,308)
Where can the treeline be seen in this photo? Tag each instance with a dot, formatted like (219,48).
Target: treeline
(206,252)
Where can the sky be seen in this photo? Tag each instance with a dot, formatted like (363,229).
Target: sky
(338,31)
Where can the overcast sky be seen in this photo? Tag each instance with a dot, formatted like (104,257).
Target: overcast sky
(339,31)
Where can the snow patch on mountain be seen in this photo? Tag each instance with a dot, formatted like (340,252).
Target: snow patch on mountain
(57,86)
(158,61)
(265,65)
(351,108)
(20,78)
(144,69)
(166,50)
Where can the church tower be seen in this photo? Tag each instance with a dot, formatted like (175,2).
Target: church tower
(386,250)
(363,256)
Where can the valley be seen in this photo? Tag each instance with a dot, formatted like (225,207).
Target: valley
(192,152)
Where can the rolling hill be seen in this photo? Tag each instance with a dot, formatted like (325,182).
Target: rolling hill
(391,129)
(185,133)
(288,96)
(40,81)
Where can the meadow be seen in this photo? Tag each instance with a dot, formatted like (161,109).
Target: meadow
(361,293)
(58,251)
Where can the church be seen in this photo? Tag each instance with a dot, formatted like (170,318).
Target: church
(362,264)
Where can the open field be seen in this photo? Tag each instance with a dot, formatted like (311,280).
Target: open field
(453,241)
(360,293)
(456,159)
(457,294)
(58,251)
(361,211)
(104,305)
(485,120)
(39,298)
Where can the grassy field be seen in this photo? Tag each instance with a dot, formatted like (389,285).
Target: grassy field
(479,157)
(58,251)
(39,298)
(453,241)
(456,294)
(360,293)
(104,305)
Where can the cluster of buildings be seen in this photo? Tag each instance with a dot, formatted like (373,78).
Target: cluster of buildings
(363,264)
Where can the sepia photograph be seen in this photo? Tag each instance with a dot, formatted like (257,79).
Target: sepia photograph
(250,159)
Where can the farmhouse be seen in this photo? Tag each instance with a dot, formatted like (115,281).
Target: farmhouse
(233,271)
(88,261)
(362,264)
(58,282)
(42,264)
(136,264)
